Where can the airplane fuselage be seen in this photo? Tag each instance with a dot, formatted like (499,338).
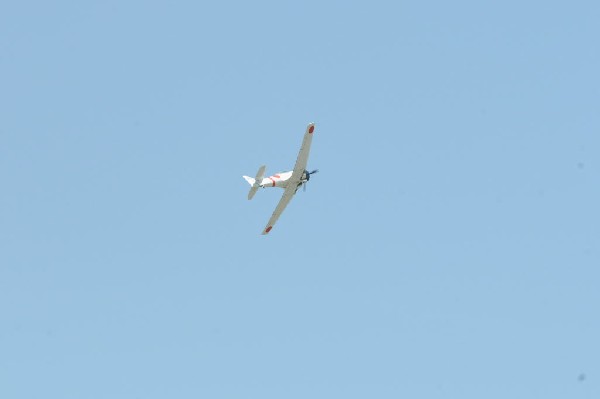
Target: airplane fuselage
(281,180)
(276,180)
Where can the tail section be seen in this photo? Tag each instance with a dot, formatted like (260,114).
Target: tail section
(249,179)
(255,183)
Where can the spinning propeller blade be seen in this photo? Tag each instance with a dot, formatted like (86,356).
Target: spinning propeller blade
(308,178)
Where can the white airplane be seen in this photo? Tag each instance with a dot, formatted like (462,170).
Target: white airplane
(290,181)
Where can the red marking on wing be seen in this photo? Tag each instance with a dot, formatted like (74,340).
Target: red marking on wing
(268,229)
(311,129)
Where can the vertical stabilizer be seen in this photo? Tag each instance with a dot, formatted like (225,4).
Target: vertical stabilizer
(249,179)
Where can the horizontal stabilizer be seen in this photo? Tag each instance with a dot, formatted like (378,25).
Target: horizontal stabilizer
(256,181)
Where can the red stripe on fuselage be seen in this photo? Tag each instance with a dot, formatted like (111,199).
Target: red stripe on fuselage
(273,180)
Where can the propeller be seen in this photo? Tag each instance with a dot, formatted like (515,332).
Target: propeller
(308,178)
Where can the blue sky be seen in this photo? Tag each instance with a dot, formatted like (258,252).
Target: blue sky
(448,248)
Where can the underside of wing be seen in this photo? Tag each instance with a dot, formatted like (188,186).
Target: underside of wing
(302,159)
(285,199)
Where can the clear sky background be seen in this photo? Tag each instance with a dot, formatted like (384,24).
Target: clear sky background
(448,248)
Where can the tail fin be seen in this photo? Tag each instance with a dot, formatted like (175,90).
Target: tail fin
(255,183)
(249,179)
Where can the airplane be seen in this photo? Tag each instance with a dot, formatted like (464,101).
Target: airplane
(290,181)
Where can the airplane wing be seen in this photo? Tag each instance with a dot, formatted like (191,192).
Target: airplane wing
(289,192)
(302,159)
(292,186)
